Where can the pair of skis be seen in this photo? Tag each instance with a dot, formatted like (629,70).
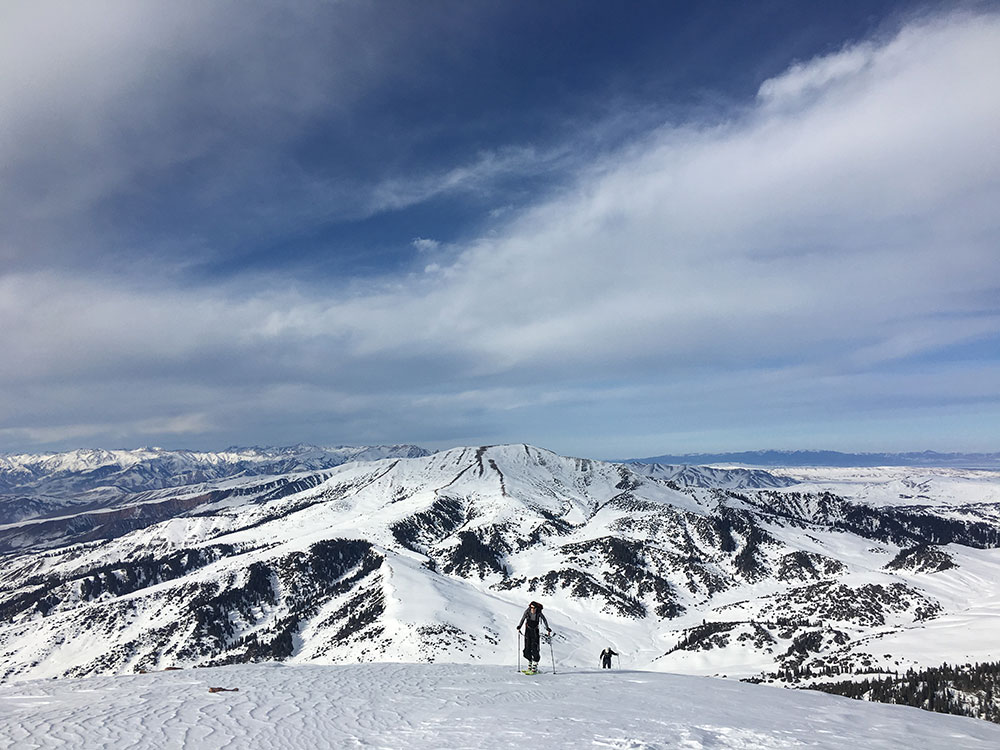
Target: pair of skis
(551,653)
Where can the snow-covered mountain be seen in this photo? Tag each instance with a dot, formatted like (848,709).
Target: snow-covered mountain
(433,706)
(433,559)
(710,476)
(34,485)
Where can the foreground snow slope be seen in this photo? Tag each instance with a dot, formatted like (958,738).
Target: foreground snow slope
(408,706)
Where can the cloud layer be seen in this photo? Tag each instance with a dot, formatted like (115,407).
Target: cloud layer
(815,268)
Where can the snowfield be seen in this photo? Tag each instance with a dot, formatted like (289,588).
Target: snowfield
(411,707)
(898,485)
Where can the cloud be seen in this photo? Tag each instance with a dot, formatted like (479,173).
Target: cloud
(855,229)
(478,176)
(423,244)
(809,256)
(851,219)
(817,75)
(122,122)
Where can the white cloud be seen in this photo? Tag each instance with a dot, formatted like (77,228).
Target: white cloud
(848,220)
(804,78)
(478,176)
(424,244)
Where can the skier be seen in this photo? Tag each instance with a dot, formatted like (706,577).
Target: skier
(606,655)
(531,619)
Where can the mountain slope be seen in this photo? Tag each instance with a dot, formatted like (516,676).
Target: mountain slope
(434,558)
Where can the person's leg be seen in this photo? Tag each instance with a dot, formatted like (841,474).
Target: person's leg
(533,639)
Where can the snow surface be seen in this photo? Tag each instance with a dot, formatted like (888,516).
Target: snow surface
(898,485)
(410,707)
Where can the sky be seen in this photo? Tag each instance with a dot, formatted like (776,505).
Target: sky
(606,230)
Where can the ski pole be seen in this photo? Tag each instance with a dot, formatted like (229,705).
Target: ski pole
(552,654)
(518,650)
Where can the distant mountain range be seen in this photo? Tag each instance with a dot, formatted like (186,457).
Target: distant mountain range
(73,472)
(830,458)
(38,485)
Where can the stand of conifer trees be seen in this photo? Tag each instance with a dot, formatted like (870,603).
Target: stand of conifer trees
(966,690)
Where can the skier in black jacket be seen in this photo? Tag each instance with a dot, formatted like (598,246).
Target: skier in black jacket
(606,655)
(531,619)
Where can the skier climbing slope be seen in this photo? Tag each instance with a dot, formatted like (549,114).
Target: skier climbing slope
(531,620)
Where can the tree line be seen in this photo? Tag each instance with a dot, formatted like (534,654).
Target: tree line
(966,690)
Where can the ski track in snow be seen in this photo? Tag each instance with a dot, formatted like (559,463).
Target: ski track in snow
(411,707)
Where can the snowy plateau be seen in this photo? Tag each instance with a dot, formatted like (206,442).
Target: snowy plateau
(374,602)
